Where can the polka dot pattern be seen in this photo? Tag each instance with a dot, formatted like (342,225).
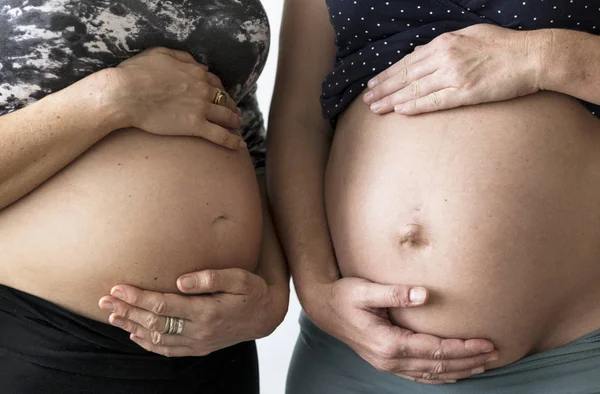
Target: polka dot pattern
(372,35)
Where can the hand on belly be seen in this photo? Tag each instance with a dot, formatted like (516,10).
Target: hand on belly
(136,209)
(489,215)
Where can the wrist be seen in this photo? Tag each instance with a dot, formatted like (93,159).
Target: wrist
(549,66)
(108,87)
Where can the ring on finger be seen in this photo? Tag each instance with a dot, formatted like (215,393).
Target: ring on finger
(220,98)
(168,323)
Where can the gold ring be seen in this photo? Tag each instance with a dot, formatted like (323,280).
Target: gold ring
(167,325)
(220,98)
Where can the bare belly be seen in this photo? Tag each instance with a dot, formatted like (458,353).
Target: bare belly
(136,209)
(494,208)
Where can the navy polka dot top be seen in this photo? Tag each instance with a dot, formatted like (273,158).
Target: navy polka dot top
(371,35)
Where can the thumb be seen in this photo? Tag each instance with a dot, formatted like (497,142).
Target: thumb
(394,296)
(233,280)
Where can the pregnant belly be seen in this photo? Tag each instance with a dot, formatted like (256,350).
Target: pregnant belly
(138,209)
(494,208)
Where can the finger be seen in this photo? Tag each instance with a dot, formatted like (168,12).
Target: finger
(221,136)
(399,81)
(417,89)
(447,369)
(142,317)
(233,281)
(374,295)
(446,377)
(157,303)
(402,67)
(216,82)
(418,380)
(436,101)
(223,116)
(429,347)
(160,339)
(182,56)
(167,351)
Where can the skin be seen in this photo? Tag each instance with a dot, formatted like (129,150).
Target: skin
(221,307)
(138,95)
(33,139)
(464,68)
(351,309)
(466,78)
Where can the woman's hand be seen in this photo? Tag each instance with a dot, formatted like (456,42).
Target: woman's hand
(478,64)
(166,92)
(355,311)
(221,308)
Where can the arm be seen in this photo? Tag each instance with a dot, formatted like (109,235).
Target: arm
(570,63)
(464,68)
(41,139)
(351,309)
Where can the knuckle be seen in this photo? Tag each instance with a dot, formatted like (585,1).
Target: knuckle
(438,354)
(157,338)
(160,308)
(208,279)
(440,368)
(415,89)
(152,322)
(385,351)
(224,138)
(435,99)
(429,376)
(398,297)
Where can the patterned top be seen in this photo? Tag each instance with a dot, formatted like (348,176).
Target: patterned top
(47,45)
(372,35)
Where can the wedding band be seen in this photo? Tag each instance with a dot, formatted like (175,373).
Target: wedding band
(180,323)
(168,322)
(220,98)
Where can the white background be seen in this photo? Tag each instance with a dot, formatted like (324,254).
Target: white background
(276,350)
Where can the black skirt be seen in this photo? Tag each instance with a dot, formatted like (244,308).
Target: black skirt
(46,349)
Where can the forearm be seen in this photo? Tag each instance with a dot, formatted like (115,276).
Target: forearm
(570,63)
(41,139)
(296,167)
(272,265)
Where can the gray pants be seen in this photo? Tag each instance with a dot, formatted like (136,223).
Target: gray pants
(323,365)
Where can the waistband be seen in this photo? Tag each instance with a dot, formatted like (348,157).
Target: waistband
(45,334)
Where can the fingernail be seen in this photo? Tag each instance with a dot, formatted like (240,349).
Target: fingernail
(450,381)
(375,106)
(188,282)
(417,295)
(398,108)
(117,294)
(372,82)
(369,97)
(493,358)
(239,111)
(243,145)
(241,120)
(477,371)
(108,306)
(117,321)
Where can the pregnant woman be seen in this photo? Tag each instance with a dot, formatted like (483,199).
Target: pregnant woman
(104,182)
(493,208)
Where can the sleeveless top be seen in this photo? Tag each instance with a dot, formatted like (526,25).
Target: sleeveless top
(47,45)
(371,35)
